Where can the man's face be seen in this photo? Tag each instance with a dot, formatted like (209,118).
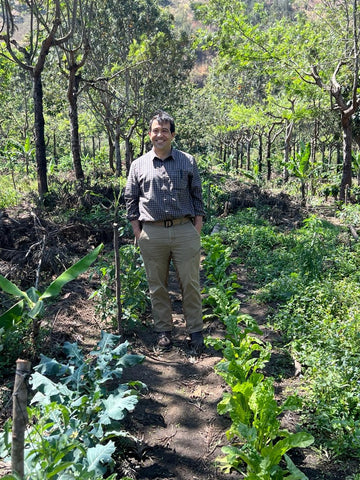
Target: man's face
(160,136)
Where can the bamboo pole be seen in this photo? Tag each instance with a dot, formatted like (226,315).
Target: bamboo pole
(20,417)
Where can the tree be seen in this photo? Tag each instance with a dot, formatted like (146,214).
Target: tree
(75,50)
(316,44)
(139,64)
(30,54)
(343,83)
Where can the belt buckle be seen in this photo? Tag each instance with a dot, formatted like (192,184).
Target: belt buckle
(168,223)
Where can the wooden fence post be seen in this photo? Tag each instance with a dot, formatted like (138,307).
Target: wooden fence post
(117,278)
(20,417)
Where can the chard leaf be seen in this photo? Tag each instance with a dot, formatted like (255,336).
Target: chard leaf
(231,459)
(295,473)
(99,455)
(249,434)
(277,451)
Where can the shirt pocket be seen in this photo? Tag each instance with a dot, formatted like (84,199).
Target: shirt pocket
(179,180)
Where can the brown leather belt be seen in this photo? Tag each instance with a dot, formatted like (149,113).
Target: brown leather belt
(171,222)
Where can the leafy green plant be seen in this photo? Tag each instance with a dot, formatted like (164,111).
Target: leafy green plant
(256,439)
(78,412)
(303,168)
(350,214)
(134,290)
(321,322)
(29,306)
(255,434)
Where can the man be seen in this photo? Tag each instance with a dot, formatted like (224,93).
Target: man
(164,205)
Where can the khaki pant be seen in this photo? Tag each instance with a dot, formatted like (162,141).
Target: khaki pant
(181,244)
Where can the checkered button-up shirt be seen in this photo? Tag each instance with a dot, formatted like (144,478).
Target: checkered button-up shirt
(163,189)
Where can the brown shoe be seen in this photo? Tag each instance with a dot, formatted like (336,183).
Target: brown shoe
(164,340)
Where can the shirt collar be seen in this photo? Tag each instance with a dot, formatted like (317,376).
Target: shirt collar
(170,157)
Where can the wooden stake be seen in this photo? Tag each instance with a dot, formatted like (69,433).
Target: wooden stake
(20,417)
(117,278)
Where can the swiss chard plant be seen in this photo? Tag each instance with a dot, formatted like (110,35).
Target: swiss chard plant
(255,435)
(77,413)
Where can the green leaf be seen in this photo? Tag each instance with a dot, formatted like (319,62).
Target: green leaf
(50,366)
(99,455)
(11,288)
(37,310)
(108,340)
(294,440)
(47,387)
(296,474)
(116,407)
(13,315)
(130,359)
(73,272)
(73,351)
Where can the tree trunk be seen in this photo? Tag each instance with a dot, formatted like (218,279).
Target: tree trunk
(39,124)
(346,169)
(288,137)
(118,169)
(111,152)
(242,156)
(73,89)
(128,153)
(237,157)
(268,157)
(248,155)
(260,153)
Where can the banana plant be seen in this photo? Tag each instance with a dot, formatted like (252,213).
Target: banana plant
(302,168)
(30,304)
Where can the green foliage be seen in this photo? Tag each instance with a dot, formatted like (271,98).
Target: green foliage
(16,176)
(350,215)
(78,412)
(134,289)
(29,306)
(322,322)
(303,168)
(255,436)
(311,277)
(213,193)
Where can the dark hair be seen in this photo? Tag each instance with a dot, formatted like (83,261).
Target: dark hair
(163,117)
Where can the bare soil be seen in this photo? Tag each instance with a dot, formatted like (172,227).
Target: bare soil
(176,422)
